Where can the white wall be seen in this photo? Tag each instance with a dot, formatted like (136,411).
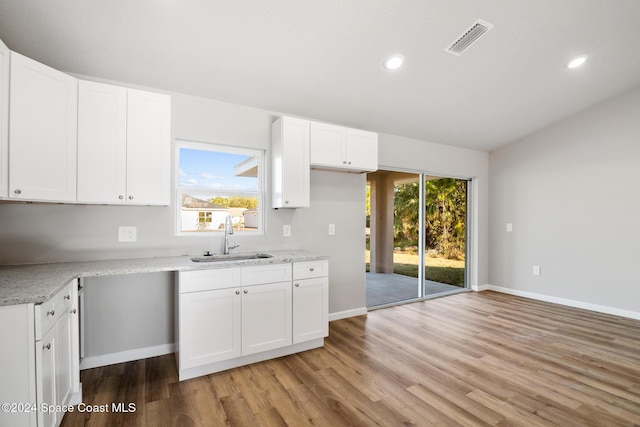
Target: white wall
(571,192)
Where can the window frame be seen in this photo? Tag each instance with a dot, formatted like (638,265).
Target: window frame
(260,155)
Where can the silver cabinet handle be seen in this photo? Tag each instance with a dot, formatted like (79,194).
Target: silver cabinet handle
(51,313)
(286,202)
(47,347)
(130,197)
(17,191)
(67,296)
(349,162)
(237,292)
(311,269)
(246,291)
(297,285)
(121,197)
(74,311)
(344,162)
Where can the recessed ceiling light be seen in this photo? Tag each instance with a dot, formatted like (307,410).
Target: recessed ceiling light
(575,63)
(393,62)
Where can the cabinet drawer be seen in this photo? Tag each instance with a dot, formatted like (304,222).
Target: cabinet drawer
(47,313)
(271,273)
(206,280)
(310,269)
(63,298)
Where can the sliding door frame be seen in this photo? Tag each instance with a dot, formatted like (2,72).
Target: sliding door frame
(471,216)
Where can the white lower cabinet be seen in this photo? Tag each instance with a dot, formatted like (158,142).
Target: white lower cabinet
(209,326)
(230,317)
(43,361)
(57,357)
(310,300)
(46,376)
(266,317)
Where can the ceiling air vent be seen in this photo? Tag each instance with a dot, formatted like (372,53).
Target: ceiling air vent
(469,37)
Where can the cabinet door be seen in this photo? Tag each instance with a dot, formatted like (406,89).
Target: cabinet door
(4,120)
(42,132)
(266,317)
(310,309)
(362,150)
(102,143)
(290,155)
(328,145)
(63,356)
(148,148)
(46,376)
(209,327)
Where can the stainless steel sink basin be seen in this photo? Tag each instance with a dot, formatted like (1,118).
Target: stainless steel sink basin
(230,257)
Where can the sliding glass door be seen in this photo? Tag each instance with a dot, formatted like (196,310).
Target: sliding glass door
(445,234)
(416,236)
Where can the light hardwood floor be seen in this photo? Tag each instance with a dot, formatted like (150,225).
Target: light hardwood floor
(468,359)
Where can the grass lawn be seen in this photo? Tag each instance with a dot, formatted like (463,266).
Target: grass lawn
(437,269)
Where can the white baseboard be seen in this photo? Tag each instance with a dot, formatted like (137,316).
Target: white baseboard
(126,356)
(478,288)
(564,301)
(347,313)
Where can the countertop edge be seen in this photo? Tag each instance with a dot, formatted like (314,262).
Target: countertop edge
(37,283)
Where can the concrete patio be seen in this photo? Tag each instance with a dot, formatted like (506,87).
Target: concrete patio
(388,288)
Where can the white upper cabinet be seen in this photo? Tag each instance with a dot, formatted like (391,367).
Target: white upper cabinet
(290,163)
(362,150)
(102,143)
(328,145)
(4,119)
(123,145)
(42,132)
(148,148)
(340,148)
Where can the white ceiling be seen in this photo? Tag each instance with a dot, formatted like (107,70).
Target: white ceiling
(322,59)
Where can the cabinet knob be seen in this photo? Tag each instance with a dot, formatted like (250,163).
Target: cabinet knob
(237,292)
(51,313)
(310,268)
(286,202)
(74,311)
(47,347)
(130,197)
(121,197)
(297,285)
(67,296)
(349,162)
(344,162)
(17,191)
(246,291)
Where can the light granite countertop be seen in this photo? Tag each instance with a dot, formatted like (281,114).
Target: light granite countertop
(37,283)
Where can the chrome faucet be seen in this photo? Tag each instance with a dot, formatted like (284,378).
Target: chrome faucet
(228,229)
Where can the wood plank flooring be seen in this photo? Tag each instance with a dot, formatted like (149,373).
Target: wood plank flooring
(472,359)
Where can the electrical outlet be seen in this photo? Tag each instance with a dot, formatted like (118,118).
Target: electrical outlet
(509,227)
(332,229)
(286,230)
(536,270)
(127,234)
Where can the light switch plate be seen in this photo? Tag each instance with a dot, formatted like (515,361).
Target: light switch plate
(286,230)
(536,270)
(127,234)
(332,229)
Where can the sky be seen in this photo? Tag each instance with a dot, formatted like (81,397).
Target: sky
(213,170)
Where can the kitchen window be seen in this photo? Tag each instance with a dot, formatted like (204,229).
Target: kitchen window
(216,181)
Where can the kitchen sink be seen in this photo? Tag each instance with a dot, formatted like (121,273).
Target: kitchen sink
(230,257)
